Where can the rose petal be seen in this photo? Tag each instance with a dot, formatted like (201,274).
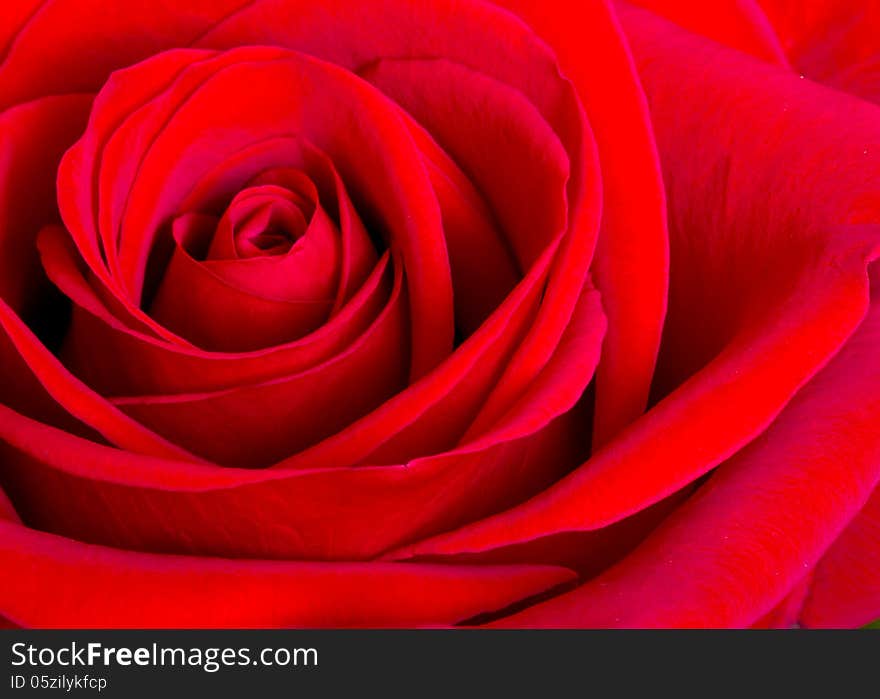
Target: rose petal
(49,581)
(786,614)
(631,265)
(7,511)
(248,304)
(510,54)
(79,204)
(153,366)
(748,536)
(39,39)
(110,496)
(274,161)
(74,396)
(740,24)
(832,42)
(434,414)
(14,16)
(185,147)
(792,293)
(845,590)
(499,139)
(33,137)
(295,410)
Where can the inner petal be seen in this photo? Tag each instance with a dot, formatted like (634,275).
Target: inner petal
(272,229)
(273,258)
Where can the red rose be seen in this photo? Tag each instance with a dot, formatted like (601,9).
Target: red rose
(349,313)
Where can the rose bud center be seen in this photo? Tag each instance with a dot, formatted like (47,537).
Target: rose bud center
(271,260)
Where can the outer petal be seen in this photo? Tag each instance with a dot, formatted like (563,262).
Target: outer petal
(33,137)
(832,42)
(31,360)
(7,511)
(49,581)
(846,586)
(763,520)
(785,615)
(60,46)
(740,24)
(12,16)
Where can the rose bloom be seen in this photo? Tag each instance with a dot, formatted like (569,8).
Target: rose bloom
(390,313)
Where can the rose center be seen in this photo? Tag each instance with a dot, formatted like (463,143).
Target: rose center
(262,221)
